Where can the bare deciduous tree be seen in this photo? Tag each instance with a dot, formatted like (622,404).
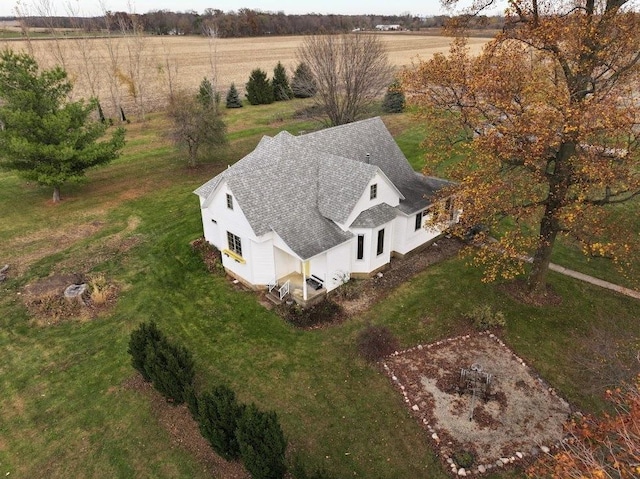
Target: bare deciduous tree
(350,73)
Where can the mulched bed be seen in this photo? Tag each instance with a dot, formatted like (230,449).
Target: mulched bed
(184,431)
(370,291)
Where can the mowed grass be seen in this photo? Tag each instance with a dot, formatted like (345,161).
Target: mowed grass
(66,410)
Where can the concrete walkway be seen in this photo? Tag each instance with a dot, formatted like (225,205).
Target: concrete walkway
(598,282)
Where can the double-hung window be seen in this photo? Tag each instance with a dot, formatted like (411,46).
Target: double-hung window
(229,201)
(373,191)
(418,221)
(235,244)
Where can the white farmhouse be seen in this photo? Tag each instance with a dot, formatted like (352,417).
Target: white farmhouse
(302,214)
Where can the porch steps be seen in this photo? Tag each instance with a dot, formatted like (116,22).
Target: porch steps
(273,298)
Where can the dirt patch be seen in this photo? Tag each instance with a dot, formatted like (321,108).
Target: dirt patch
(40,244)
(369,291)
(184,432)
(47,305)
(518,417)
(29,249)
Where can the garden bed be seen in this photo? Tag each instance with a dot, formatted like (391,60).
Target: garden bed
(520,417)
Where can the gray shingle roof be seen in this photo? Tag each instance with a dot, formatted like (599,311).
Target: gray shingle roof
(299,186)
(375,216)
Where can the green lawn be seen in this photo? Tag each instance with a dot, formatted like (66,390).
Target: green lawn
(66,411)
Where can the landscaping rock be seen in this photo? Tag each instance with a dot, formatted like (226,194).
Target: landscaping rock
(75,291)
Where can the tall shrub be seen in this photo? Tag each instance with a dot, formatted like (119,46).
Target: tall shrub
(168,366)
(281,88)
(303,85)
(171,369)
(262,443)
(259,89)
(218,415)
(146,334)
(394,100)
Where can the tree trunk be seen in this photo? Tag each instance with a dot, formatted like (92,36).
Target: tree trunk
(537,280)
(56,194)
(559,179)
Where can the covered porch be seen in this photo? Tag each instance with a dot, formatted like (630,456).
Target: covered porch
(292,287)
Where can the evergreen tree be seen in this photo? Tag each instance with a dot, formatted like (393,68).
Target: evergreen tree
(303,84)
(147,333)
(259,89)
(281,88)
(45,137)
(262,443)
(218,415)
(233,99)
(206,95)
(394,100)
(171,369)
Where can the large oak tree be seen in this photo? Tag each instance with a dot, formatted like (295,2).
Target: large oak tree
(43,136)
(547,121)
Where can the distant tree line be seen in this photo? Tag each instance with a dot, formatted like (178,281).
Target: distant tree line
(246,22)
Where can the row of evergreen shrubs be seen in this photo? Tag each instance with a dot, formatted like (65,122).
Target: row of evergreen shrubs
(234,430)
(262,91)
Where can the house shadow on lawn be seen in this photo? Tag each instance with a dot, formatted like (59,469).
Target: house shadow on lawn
(519,418)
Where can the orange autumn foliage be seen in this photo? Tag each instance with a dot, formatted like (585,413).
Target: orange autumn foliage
(544,130)
(599,448)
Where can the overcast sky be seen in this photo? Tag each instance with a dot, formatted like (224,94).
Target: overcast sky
(352,7)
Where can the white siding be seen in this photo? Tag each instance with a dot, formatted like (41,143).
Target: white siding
(338,265)
(371,260)
(285,263)
(263,262)
(407,238)
(386,194)
(233,221)
(210,227)
(361,265)
(379,260)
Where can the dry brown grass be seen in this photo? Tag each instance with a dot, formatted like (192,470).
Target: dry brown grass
(186,60)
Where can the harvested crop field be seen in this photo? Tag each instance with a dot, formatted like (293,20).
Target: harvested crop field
(96,64)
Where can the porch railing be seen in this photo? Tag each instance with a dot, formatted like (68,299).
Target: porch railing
(281,290)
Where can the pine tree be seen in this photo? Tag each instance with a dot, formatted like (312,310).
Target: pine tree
(45,137)
(233,99)
(206,95)
(394,100)
(303,84)
(259,89)
(281,88)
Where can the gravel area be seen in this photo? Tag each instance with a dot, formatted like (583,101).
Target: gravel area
(520,416)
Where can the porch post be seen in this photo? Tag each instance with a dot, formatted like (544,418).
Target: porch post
(305,267)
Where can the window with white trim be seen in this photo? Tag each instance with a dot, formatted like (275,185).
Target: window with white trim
(418,221)
(235,244)
(360,252)
(229,201)
(373,191)
(380,248)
